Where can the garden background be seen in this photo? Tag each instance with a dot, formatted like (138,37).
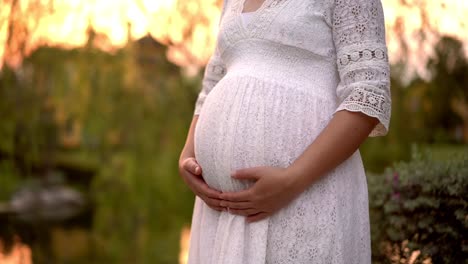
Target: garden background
(96,98)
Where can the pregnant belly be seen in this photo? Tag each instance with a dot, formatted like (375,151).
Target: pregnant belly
(247,122)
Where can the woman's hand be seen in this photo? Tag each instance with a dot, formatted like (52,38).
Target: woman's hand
(191,173)
(272,190)
(275,187)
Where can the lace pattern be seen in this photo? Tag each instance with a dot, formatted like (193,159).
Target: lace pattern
(214,71)
(362,60)
(269,89)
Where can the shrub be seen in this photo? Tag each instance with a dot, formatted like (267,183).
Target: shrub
(422,205)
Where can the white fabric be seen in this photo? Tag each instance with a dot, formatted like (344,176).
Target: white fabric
(247,17)
(269,89)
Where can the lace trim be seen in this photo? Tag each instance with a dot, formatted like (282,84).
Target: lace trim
(368,74)
(372,102)
(266,16)
(362,60)
(365,54)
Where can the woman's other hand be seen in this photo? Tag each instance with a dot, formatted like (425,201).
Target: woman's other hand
(272,190)
(191,173)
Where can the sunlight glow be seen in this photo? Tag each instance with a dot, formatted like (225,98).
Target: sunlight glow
(117,21)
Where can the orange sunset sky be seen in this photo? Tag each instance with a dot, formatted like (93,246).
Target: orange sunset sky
(66,23)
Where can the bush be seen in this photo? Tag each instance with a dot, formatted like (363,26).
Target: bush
(421,206)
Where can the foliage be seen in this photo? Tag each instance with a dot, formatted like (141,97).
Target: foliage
(122,116)
(422,203)
(9,180)
(434,111)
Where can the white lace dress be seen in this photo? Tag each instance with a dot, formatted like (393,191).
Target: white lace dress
(269,89)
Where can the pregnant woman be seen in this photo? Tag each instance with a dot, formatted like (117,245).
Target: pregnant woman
(291,91)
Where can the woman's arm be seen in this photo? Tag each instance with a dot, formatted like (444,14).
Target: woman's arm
(191,172)
(189,169)
(188,150)
(336,143)
(364,107)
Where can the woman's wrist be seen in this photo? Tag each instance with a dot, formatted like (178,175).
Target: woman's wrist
(300,179)
(187,152)
(189,149)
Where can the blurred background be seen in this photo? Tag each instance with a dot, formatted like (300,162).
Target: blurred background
(96,98)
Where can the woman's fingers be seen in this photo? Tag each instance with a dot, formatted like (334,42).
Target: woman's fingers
(192,174)
(245,212)
(240,196)
(218,208)
(237,205)
(257,217)
(199,186)
(192,166)
(213,203)
(207,190)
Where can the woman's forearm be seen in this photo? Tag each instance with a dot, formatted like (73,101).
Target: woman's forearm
(188,150)
(343,135)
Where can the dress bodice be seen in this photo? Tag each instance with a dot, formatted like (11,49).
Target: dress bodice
(334,48)
(247,17)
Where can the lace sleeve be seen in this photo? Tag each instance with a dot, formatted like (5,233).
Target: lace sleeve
(215,69)
(362,60)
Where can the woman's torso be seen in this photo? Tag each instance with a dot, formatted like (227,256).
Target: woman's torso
(278,92)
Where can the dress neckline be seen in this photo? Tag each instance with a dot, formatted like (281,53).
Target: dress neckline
(259,19)
(262,6)
(254,15)
(247,17)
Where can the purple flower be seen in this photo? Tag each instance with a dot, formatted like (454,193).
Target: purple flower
(395,186)
(396,180)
